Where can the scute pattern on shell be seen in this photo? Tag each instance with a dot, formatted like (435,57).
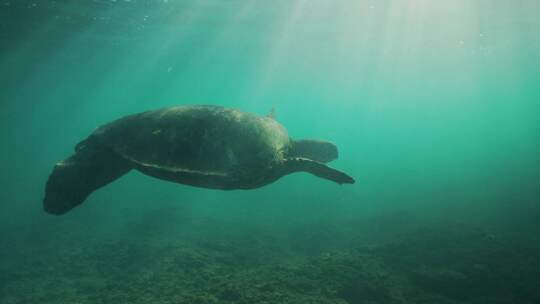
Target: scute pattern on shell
(198,138)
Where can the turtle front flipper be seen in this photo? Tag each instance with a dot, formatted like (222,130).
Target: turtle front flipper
(299,164)
(74,178)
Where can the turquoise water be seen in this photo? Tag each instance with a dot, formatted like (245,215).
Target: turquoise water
(434,108)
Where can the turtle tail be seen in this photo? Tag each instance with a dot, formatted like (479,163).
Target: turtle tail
(74,178)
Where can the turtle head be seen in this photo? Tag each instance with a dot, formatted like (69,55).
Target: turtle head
(317,150)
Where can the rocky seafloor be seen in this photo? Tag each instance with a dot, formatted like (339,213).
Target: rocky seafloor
(311,264)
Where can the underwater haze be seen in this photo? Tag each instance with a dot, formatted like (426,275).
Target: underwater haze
(434,106)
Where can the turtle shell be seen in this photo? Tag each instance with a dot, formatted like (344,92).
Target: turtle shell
(197,138)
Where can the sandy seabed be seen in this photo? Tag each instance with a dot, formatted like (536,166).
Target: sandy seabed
(209,262)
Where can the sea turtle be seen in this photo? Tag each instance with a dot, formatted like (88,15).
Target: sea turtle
(203,146)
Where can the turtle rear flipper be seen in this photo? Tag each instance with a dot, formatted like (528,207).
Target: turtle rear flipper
(74,178)
(318,169)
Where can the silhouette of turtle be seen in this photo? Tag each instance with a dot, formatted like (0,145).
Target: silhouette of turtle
(202,146)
